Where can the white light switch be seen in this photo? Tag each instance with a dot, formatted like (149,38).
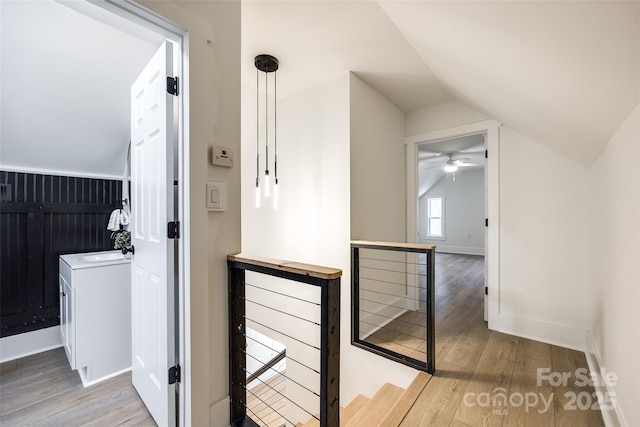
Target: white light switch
(216,196)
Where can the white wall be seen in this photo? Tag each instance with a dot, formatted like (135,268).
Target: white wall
(441,116)
(543,239)
(378,213)
(311,224)
(614,260)
(377,166)
(464,213)
(543,242)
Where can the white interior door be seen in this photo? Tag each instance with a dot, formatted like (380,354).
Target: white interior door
(152,276)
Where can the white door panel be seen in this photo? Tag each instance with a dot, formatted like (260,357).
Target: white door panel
(152,263)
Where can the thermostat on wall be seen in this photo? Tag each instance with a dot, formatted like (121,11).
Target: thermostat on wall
(221,156)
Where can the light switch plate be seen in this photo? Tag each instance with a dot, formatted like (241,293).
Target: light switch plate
(221,156)
(216,196)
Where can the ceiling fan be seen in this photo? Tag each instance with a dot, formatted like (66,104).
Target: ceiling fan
(449,165)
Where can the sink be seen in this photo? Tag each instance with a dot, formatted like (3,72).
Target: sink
(102,257)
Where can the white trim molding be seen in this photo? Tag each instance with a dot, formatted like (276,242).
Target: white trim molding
(462,250)
(26,344)
(615,417)
(541,330)
(491,129)
(56,172)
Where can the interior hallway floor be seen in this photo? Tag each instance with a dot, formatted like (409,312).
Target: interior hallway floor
(42,390)
(475,367)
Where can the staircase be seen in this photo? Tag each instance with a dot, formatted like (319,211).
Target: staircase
(386,408)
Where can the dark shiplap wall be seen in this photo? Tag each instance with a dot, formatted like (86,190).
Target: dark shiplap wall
(46,217)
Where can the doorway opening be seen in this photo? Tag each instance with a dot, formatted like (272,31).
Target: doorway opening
(120,25)
(452,203)
(451,216)
(156,175)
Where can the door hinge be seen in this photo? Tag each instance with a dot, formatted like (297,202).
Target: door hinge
(173,230)
(486,222)
(174,374)
(486,290)
(486,154)
(172,85)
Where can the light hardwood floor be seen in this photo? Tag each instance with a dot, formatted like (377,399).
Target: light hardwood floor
(474,363)
(42,390)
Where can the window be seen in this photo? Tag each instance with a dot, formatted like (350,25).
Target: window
(435,217)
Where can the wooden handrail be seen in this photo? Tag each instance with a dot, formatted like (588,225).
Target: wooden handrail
(317,271)
(365,244)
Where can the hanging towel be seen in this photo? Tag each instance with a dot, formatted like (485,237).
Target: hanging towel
(119,217)
(114,221)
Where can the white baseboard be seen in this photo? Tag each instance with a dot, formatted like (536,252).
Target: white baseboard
(22,345)
(461,250)
(612,418)
(86,383)
(543,331)
(219,413)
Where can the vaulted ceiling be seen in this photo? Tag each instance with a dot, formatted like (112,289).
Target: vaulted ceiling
(563,73)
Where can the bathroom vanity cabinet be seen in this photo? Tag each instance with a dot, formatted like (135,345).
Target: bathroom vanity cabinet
(95,314)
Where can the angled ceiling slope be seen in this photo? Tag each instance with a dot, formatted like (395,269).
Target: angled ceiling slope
(65,90)
(564,73)
(318,40)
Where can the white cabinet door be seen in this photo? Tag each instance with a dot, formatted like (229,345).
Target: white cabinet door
(63,313)
(66,321)
(152,263)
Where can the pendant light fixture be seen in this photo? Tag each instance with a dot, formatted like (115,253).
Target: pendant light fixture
(266,64)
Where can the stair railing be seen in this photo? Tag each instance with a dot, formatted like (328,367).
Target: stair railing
(265,306)
(267,366)
(393,301)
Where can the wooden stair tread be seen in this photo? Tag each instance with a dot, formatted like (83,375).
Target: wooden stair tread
(312,422)
(346,414)
(404,404)
(377,407)
(352,409)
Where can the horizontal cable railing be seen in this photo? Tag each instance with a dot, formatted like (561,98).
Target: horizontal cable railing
(291,332)
(392,301)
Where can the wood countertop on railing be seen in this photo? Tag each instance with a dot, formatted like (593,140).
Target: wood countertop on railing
(317,271)
(390,245)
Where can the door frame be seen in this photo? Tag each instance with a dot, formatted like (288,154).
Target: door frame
(175,33)
(492,196)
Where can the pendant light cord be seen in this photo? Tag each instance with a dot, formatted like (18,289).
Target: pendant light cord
(266,121)
(257,130)
(275,125)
